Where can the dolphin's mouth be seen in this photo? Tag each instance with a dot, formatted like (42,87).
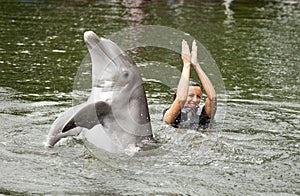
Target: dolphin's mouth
(108,85)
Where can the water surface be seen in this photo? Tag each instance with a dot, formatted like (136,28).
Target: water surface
(255,150)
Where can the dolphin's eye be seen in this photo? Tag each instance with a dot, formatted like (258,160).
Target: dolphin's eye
(125,73)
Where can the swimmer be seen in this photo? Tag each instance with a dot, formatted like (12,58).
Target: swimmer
(186,110)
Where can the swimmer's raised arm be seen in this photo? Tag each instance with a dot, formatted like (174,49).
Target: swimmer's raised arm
(211,100)
(183,86)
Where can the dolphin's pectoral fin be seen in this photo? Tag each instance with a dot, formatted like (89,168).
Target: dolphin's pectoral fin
(70,125)
(88,116)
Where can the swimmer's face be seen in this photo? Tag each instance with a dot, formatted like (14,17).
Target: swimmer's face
(194,97)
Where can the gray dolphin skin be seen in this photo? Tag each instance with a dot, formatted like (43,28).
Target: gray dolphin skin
(116,115)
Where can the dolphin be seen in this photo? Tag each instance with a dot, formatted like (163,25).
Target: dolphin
(116,115)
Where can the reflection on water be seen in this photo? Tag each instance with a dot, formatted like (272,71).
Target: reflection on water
(255,151)
(228,12)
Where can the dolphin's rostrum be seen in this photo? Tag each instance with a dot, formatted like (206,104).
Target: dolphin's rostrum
(116,113)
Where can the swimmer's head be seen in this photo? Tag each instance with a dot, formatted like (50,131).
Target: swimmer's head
(194,95)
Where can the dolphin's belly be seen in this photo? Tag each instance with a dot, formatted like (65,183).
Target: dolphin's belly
(99,137)
(110,137)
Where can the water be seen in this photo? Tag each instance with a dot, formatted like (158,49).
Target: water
(255,151)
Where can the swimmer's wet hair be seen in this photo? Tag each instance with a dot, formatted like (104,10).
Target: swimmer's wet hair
(193,83)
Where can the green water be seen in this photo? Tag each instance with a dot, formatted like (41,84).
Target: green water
(253,151)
